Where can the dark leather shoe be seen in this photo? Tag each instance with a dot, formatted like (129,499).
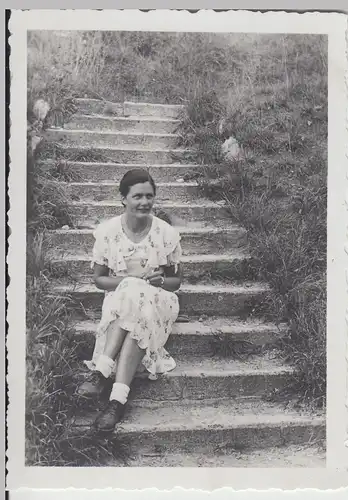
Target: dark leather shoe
(109,417)
(93,386)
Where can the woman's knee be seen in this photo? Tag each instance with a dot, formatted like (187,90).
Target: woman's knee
(134,343)
(114,328)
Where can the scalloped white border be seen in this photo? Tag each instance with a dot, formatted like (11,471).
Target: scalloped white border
(335,475)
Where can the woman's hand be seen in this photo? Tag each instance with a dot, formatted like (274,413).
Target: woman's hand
(155,279)
(168,278)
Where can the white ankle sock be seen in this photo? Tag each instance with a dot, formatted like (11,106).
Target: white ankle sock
(104,365)
(119,393)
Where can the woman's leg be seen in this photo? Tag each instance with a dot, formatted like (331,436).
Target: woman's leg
(115,336)
(114,339)
(127,365)
(94,384)
(130,357)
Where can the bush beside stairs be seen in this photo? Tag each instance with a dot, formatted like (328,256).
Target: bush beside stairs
(215,409)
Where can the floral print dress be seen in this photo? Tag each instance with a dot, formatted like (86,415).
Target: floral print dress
(147,312)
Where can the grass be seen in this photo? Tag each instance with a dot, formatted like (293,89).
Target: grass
(50,360)
(50,364)
(170,67)
(47,202)
(276,188)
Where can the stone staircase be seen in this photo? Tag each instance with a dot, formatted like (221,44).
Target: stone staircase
(213,409)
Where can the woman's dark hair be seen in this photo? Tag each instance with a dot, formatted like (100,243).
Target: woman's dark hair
(135,176)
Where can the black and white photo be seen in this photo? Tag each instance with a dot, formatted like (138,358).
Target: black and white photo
(177,193)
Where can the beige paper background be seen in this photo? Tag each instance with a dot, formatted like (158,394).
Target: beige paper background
(336,473)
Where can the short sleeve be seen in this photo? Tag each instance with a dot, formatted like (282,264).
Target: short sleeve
(172,246)
(101,247)
(174,258)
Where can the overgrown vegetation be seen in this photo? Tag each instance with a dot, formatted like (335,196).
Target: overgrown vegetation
(47,203)
(50,359)
(170,67)
(275,185)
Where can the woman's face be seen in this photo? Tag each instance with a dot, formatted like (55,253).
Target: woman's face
(139,200)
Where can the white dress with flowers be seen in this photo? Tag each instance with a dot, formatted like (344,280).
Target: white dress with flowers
(147,312)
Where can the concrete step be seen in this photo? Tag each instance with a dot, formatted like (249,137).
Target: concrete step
(133,109)
(287,456)
(203,378)
(142,124)
(207,337)
(87,213)
(96,139)
(149,109)
(194,267)
(113,172)
(212,300)
(209,428)
(99,107)
(202,240)
(122,154)
(101,191)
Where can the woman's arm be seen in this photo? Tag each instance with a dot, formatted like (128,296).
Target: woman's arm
(102,279)
(172,279)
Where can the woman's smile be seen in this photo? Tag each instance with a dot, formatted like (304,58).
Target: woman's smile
(140,199)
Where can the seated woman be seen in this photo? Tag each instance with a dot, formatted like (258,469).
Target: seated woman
(136,260)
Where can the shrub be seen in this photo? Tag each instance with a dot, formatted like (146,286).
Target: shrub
(47,201)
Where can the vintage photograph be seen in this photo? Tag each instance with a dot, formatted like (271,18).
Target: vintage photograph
(176,249)
(177,294)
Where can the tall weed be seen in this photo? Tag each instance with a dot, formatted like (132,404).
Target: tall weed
(47,201)
(50,362)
